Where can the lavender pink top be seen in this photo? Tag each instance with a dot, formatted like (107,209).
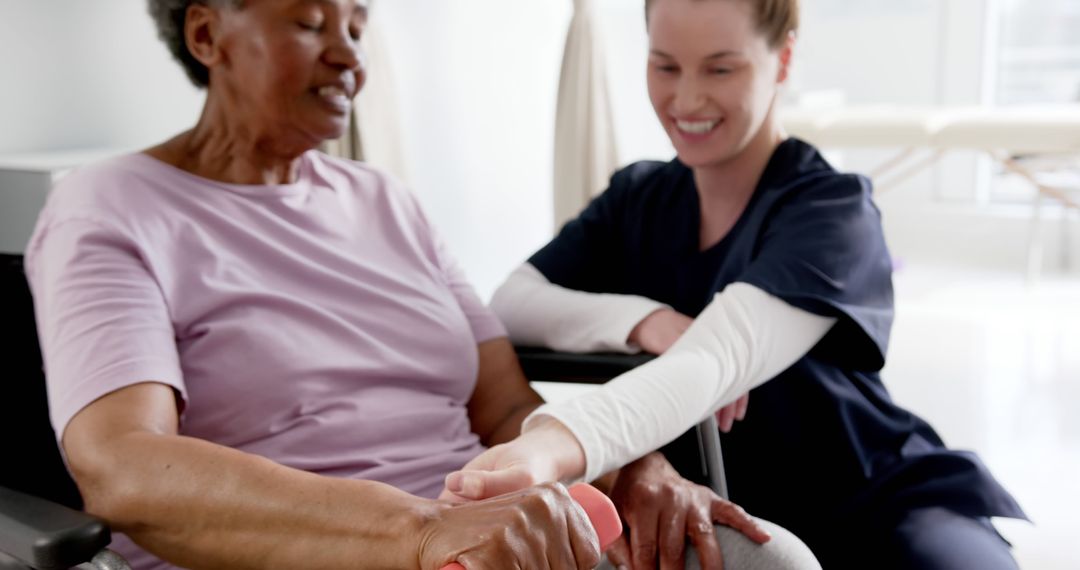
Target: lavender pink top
(320,324)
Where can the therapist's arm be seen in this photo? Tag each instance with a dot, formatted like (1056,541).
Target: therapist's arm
(742,339)
(202,505)
(537,312)
(502,400)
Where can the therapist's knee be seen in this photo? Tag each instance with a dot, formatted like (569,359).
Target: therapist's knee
(784,552)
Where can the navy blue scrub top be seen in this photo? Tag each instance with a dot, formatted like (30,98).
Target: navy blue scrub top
(822,442)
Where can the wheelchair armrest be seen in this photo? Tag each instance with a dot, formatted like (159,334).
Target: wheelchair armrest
(45,535)
(543,365)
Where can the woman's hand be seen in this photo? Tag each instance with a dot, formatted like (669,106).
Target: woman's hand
(658,331)
(661,509)
(540,527)
(736,410)
(547,452)
(502,469)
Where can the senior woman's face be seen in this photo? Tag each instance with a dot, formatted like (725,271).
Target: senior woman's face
(292,66)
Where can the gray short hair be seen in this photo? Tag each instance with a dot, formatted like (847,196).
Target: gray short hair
(169,17)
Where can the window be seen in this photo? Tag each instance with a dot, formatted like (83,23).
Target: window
(1038,62)
(1039,52)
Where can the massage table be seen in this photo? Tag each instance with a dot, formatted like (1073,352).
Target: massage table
(1011,136)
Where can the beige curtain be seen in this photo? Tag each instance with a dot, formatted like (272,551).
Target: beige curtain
(374,134)
(585,153)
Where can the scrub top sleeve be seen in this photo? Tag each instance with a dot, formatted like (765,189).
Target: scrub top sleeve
(823,251)
(585,254)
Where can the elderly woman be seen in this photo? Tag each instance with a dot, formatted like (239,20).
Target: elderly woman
(259,356)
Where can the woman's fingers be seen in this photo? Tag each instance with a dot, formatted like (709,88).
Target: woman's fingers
(618,554)
(659,330)
(735,411)
(540,528)
(643,538)
(662,509)
(584,541)
(732,515)
(479,485)
(741,405)
(726,418)
(703,537)
(672,539)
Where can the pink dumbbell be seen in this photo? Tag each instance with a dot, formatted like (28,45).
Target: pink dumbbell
(601,512)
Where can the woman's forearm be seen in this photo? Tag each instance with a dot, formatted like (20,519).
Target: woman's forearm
(742,339)
(200,505)
(502,398)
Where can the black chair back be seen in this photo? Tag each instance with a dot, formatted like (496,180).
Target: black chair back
(30,459)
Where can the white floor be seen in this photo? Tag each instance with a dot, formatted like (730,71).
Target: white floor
(994,364)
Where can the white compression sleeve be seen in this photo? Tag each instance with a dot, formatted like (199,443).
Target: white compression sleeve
(742,339)
(539,313)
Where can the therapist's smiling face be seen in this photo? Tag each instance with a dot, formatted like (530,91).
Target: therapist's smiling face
(712,76)
(290,67)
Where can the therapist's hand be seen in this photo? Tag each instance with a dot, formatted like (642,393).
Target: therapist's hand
(659,330)
(736,410)
(547,452)
(661,509)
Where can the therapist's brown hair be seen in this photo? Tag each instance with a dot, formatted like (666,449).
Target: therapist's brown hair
(776,19)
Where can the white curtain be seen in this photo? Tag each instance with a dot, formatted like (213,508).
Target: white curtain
(585,153)
(374,134)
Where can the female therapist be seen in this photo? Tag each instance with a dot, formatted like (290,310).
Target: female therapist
(750,264)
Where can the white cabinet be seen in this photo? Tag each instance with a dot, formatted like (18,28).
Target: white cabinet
(25,181)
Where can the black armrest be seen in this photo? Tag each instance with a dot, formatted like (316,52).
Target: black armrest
(543,365)
(45,535)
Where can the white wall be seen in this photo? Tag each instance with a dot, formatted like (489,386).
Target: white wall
(86,74)
(478,83)
(478,80)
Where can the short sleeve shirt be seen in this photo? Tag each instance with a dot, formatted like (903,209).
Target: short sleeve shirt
(320,324)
